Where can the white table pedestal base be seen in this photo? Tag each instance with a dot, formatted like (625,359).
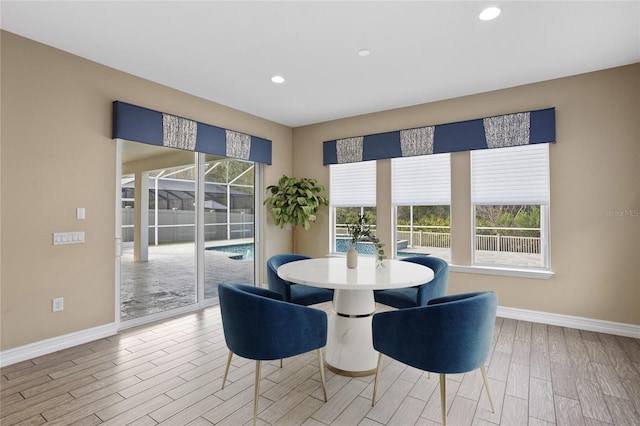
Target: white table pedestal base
(349,348)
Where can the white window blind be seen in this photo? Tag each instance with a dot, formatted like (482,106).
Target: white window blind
(510,176)
(422,180)
(353,184)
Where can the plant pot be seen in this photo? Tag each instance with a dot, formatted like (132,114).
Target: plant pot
(352,258)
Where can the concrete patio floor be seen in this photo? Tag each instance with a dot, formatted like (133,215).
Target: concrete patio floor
(168,279)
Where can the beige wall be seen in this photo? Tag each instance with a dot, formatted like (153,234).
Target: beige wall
(57,155)
(595,169)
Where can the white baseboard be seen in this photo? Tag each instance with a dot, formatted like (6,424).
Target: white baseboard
(54,344)
(581,323)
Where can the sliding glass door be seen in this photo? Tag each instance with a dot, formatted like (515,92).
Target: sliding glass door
(187,224)
(229,223)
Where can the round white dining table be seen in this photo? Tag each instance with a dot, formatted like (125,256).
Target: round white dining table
(349,349)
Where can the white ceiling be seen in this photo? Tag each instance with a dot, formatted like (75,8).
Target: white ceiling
(421,51)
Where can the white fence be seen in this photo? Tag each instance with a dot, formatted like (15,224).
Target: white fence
(179,226)
(508,243)
(426,239)
(439,239)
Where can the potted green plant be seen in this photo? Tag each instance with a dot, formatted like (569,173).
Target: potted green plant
(359,230)
(295,202)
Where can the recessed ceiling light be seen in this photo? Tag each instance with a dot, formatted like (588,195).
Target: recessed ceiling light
(364,52)
(278,79)
(489,13)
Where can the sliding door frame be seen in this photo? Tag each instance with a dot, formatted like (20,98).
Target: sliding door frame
(201,302)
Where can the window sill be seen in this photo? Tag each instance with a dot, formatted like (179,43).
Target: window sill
(496,270)
(537,274)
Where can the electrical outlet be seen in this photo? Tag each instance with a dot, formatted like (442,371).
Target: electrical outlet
(58,304)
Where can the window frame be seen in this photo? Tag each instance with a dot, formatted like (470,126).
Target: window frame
(542,201)
(333,205)
(426,200)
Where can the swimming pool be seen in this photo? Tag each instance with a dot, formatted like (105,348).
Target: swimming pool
(245,249)
(342,245)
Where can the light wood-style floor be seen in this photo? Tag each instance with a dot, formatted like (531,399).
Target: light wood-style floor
(170,373)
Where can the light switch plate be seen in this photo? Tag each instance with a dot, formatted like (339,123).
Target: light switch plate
(60,238)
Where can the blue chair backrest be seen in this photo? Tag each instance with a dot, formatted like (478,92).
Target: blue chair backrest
(258,325)
(276,283)
(452,334)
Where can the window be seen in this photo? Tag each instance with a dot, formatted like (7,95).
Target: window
(421,191)
(352,192)
(510,199)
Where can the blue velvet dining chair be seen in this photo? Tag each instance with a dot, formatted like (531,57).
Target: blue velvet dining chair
(259,326)
(419,295)
(450,335)
(290,292)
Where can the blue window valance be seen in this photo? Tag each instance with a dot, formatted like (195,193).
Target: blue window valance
(144,125)
(522,128)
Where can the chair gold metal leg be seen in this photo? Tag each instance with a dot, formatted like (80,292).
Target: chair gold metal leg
(375,381)
(226,370)
(321,364)
(280,362)
(256,394)
(443,398)
(486,385)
